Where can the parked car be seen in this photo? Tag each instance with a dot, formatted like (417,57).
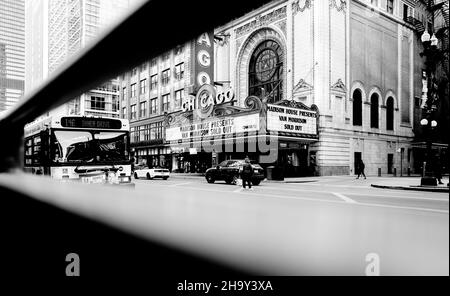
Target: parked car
(228,170)
(151,173)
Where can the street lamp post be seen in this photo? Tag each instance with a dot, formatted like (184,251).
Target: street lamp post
(429,99)
(427,174)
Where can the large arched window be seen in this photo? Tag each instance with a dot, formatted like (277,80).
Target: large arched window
(374,111)
(357,107)
(390,114)
(266,71)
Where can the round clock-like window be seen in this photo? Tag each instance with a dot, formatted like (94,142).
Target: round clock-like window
(266,64)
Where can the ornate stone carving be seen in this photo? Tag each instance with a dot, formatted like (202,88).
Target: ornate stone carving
(261,20)
(339,86)
(282,26)
(293,104)
(341,7)
(302,85)
(225,39)
(252,103)
(300,6)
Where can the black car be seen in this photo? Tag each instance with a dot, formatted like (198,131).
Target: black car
(228,170)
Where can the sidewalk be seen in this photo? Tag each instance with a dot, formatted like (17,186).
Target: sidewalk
(385,181)
(410,183)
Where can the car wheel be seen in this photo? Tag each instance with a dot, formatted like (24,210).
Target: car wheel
(210,179)
(136,176)
(234,180)
(148,176)
(256,183)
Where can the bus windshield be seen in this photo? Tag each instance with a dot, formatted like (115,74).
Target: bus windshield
(89,146)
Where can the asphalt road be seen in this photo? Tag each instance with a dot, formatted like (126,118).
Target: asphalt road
(333,226)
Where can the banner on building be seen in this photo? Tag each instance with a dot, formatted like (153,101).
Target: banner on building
(291,120)
(214,127)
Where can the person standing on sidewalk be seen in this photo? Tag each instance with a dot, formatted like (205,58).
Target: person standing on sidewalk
(246,173)
(360,166)
(438,169)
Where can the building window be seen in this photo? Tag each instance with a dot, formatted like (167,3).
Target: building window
(124,112)
(143,67)
(165,102)
(153,63)
(134,72)
(133,112)
(133,90)
(357,107)
(179,71)
(374,2)
(153,106)
(390,114)
(115,103)
(179,94)
(165,77)
(266,71)
(374,111)
(143,85)
(179,50)
(142,109)
(124,93)
(154,81)
(390,6)
(156,131)
(98,103)
(407,11)
(166,56)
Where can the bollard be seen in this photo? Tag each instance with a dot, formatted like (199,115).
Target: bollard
(395,172)
(379,172)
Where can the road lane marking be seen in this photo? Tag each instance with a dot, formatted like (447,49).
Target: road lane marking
(179,184)
(256,195)
(400,197)
(387,195)
(343,197)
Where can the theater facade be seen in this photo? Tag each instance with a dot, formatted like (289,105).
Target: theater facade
(310,86)
(212,129)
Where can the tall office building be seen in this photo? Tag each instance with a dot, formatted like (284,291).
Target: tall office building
(12,52)
(58,29)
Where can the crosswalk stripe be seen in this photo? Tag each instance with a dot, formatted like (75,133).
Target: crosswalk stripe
(343,197)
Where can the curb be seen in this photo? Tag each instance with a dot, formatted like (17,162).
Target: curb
(289,181)
(412,188)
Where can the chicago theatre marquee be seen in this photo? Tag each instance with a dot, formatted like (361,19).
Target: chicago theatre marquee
(213,129)
(269,73)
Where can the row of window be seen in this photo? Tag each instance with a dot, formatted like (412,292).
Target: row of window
(178,50)
(165,105)
(389,5)
(100,103)
(147,132)
(374,116)
(165,78)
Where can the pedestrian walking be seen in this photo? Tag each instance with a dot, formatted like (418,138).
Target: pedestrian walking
(360,166)
(246,173)
(438,170)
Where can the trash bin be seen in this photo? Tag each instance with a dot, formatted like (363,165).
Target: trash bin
(275,173)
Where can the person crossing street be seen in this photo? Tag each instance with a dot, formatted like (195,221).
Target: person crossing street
(246,173)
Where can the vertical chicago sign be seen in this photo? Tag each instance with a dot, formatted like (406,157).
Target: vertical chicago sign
(203,67)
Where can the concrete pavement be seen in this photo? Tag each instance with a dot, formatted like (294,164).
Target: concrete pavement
(323,225)
(385,181)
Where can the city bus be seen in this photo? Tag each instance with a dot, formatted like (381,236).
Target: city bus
(79,148)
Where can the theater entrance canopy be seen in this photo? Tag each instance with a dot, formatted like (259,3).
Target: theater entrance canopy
(211,122)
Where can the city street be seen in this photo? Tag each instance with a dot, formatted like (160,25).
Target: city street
(326,225)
